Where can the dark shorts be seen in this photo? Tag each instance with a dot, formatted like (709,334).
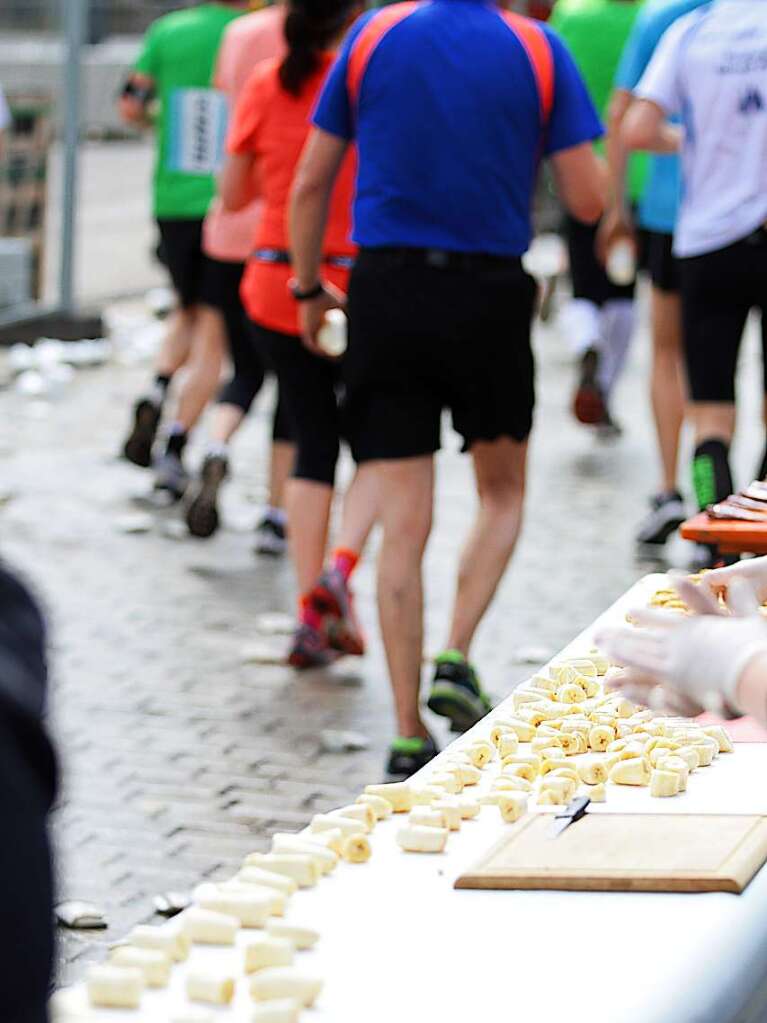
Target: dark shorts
(423,338)
(718,291)
(589,279)
(310,392)
(662,264)
(180,251)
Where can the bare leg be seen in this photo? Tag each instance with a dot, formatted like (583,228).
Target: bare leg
(281,466)
(499,467)
(308,506)
(226,423)
(668,386)
(712,420)
(177,343)
(204,367)
(360,508)
(406,496)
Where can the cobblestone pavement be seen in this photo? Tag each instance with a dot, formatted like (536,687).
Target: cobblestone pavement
(180,753)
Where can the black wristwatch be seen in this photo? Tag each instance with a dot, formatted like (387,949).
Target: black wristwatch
(305,296)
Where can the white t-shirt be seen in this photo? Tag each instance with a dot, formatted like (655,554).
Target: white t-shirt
(710,68)
(5,114)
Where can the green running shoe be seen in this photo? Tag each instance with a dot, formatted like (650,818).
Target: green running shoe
(456,693)
(406,756)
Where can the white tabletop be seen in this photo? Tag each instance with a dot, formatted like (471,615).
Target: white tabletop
(400,944)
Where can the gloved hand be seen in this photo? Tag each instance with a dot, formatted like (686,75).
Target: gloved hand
(698,656)
(752,573)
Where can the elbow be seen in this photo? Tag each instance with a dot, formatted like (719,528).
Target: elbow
(588,208)
(233,201)
(637,132)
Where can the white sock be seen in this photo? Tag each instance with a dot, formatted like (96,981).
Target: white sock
(218,449)
(582,324)
(278,515)
(618,318)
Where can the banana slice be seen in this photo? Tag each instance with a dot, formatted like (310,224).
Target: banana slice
(451,814)
(208,927)
(506,783)
(678,766)
(277,1010)
(690,756)
(170,938)
(664,783)
(251,905)
(285,982)
(524,731)
(570,745)
(600,737)
(421,839)
(426,817)
(508,744)
(468,807)
(552,763)
(115,987)
(512,807)
(356,849)
(268,951)
(634,771)
(154,964)
(597,793)
(326,822)
(721,736)
(592,772)
(550,797)
(571,693)
(564,787)
(448,781)
(210,986)
(525,771)
(480,753)
(357,812)
(469,774)
(301,937)
(425,795)
(397,792)
(302,868)
(541,743)
(325,858)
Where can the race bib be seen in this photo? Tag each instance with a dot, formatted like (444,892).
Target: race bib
(197,121)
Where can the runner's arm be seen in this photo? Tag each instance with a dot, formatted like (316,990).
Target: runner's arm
(132,102)
(308,215)
(238,183)
(645,127)
(617,221)
(581,179)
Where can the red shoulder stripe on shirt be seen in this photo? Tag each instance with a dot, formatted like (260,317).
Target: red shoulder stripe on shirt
(367,42)
(538,51)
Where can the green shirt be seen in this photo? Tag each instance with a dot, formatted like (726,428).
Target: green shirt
(595,32)
(179,55)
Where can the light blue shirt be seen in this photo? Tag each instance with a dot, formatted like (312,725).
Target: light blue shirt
(660,202)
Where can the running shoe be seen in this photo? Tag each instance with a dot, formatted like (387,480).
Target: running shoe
(310,649)
(202,516)
(332,599)
(406,756)
(607,428)
(589,403)
(138,446)
(270,537)
(456,693)
(666,516)
(171,478)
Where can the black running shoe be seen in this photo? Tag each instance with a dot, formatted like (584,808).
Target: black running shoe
(589,402)
(138,446)
(456,693)
(202,516)
(406,756)
(270,538)
(666,515)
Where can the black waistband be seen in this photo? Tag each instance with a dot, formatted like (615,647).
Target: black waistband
(282,256)
(443,259)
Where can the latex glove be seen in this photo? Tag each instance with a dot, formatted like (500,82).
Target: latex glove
(752,573)
(697,656)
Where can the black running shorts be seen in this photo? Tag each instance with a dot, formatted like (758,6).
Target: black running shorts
(180,251)
(718,291)
(662,264)
(589,279)
(423,338)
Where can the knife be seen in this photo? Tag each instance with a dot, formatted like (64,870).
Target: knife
(569,815)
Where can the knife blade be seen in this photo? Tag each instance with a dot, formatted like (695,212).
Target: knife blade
(568,815)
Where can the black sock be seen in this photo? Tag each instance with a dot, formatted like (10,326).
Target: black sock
(162,383)
(176,444)
(711,474)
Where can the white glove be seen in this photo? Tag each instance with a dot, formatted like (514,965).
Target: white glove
(752,574)
(699,656)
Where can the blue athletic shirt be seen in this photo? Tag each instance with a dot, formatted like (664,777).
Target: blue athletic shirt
(660,202)
(448,124)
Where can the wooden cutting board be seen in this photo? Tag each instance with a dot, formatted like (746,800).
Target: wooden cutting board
(627,852)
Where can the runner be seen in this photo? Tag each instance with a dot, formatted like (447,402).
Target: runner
(656,216)
(451,104)
(227,240)
(600,318)
(270,125)
(175,67)
(710,69)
